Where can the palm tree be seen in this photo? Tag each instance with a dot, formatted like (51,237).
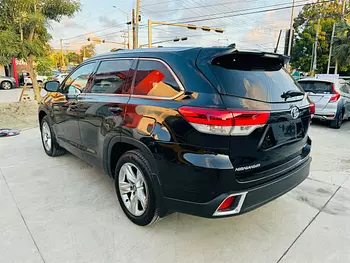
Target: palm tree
(342,45)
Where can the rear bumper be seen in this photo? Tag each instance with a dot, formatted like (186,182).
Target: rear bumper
(247,200)
(328,113)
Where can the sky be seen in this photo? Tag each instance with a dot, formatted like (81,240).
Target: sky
(105,19)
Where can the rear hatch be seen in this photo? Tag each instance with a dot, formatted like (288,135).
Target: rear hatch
(258,83)
(320,92)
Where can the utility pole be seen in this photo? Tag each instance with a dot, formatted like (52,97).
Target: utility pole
(149,33)
(137,22)
(343,13)
(331,45)
(330,49)
(291,33)
(278,41)
(314,66)
(125,39)
(62,60)
(133,30)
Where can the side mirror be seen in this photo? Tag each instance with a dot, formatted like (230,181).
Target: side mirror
(51,86)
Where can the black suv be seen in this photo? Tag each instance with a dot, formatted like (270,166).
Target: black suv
(211,132)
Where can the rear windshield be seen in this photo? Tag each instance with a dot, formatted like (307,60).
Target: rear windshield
(254,77)
(317,87)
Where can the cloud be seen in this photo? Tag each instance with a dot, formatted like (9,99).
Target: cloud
(72,23)
(107,21)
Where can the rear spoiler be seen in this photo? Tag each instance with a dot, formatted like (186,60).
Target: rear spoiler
(208,55)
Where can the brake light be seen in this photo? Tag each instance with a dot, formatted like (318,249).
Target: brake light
(224,122)
(312,108)
(335,96)
(226,203)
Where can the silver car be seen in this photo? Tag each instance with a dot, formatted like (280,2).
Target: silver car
(331,98)
(7,82)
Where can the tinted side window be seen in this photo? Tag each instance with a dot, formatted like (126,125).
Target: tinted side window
(154,79)
(78,80)
(112,77)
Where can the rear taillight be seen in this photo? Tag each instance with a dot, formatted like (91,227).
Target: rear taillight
(224,122)
(335,97)
(312,108)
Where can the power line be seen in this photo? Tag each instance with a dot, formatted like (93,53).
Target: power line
(232,12)
(82,35)
(195,7)
(248,13)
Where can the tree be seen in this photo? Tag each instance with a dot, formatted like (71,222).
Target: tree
(74,58)
(341,49)
(27,22)
(8,46)
(88,51)
(59,59)
(305,26)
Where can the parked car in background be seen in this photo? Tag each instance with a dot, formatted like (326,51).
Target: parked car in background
(27,79)
(60,77)
(212,132)
(331,98)
(7,82)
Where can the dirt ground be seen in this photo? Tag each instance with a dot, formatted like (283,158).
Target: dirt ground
(18,115)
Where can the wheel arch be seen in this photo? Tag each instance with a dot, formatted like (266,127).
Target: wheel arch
(116,147)
(41,115)
(7,82)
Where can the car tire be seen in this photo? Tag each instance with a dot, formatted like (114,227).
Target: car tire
(137,199)
(6,85)
(48,138)
(337,123)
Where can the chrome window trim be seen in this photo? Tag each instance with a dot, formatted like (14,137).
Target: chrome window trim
(181,92)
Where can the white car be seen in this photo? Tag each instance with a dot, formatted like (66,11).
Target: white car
(60,77)
(28,80)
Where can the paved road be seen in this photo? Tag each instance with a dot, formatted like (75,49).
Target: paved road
(13,95)
(63,210)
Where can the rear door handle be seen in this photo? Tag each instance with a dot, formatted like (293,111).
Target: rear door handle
(115,109)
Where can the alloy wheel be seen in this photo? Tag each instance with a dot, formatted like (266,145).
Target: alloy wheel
(46,136)
(133,189)
(6,85)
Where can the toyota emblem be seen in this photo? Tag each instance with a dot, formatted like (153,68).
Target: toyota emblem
(294,112)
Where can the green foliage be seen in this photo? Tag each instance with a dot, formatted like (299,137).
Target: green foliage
(88,51)
(8,46)
(305,26)
(341,49)
(24,23)
(27,21)
(44,65)
(74,58)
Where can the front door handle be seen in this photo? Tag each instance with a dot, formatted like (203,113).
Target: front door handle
(115,109)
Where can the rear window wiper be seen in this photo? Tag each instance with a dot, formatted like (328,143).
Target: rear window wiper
(291,93)
(309,90)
